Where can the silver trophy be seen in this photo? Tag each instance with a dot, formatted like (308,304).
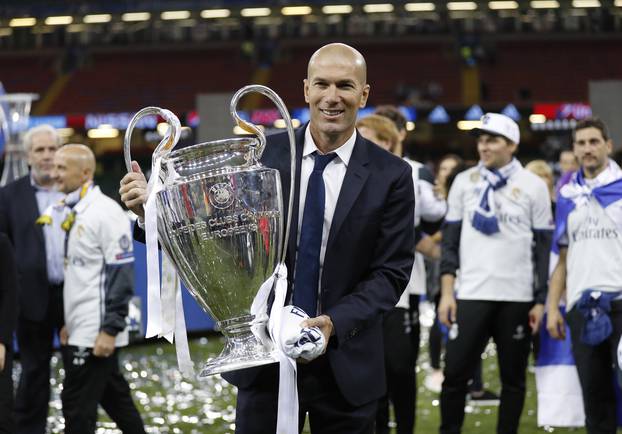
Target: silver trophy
(220,221)
(14,115)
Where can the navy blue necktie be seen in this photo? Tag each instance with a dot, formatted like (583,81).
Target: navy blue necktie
(307,276)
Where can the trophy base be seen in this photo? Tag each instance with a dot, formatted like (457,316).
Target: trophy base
(244,348)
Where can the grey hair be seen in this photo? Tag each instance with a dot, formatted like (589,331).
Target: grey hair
(40,129)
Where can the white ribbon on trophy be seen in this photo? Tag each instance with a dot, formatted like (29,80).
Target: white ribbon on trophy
(167,322)
(165,311)
(287,416)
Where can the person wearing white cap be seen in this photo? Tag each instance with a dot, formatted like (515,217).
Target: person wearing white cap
(496,212)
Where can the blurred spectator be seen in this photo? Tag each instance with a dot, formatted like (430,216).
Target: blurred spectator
(381,131)
(400,355)
(99,282)
(568,161)
(544,171)
(8,319)
(567,166)
(39,252)
(449,166)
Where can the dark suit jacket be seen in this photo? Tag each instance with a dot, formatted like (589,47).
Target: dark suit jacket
(367,264)
(8,292)
(18,213)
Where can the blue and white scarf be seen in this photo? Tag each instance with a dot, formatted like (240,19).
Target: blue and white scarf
(606,189)
(484,218)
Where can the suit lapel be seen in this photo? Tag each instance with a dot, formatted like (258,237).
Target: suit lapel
(353,183)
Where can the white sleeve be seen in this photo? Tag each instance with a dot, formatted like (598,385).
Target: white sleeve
(541,214)
(433,209)
(455,201)
(116,238)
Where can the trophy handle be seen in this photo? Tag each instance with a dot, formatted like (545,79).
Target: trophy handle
(165,146)
(247,126)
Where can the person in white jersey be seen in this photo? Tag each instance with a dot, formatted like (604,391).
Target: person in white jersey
(497,232)
(588,232)
(99,282)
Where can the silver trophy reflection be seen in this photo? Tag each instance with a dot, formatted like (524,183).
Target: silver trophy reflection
(14,116)
(220,220)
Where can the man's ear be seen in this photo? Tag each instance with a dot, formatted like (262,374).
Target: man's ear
(364,97)
(306,89)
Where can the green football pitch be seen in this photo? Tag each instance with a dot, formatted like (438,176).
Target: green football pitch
(170,403)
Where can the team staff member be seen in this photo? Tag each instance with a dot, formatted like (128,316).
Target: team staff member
(99,282)
(496,211)
(387,128)
(8,319)
(350,252)
(39,248)
(588,232)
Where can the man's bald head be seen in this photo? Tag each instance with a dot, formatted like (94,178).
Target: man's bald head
(338,53)
(335,89)
(81,155)
(74,165)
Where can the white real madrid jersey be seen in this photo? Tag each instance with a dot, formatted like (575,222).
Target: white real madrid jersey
(499,267)
(594,259)
(429,208)
(100,236)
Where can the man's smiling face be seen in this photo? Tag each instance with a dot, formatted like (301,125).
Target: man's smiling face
(335,89)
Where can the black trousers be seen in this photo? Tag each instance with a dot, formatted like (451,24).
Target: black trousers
(90,381)
(597,369)
(508,324)
(7,425)
(435,343)
(35,339)
(318,396)
(401,349)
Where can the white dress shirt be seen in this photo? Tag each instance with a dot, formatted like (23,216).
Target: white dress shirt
(333,175)
(53,235)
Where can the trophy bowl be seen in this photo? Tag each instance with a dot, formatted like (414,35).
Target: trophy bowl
(220,221)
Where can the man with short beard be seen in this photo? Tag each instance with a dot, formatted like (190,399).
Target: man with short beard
(588,232)
(39,253)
